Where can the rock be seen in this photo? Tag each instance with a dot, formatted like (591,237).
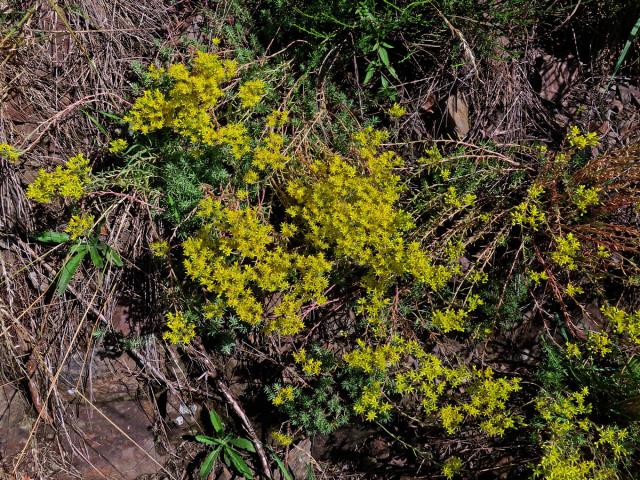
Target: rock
(15,423)
(458,113)
(116,442)
(298,459)
(557,75)
(110,379)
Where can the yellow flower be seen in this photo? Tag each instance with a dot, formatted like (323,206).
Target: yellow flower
(451,418)
(277,118)
(118,145)
(573,351)
(180,330)
(567,250)
(68,182)
(284,394)
(159,248)
(573,290)
(600,343)
(396,110)
(251,177)
(310,366)
(451,467)
(585,197)
(282,438)
(581,140)
(216,41)
(251,92)
(79,225)
(8,152)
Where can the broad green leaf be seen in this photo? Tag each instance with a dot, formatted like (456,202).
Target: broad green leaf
(216,421)
(369,75)
(393,73)
(282,467)
(68,271)
(78,248)
(53,237)
(208,463)
(243,443)
(240,465)
(113,257)
(96,258)
(206,439)
(384,56)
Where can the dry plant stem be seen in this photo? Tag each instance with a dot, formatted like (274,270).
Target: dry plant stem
(33,388)
(53,385)
(51,121)
(247,426)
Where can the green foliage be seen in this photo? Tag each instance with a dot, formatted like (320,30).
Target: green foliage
(90,244)
(318,410)
(225,446)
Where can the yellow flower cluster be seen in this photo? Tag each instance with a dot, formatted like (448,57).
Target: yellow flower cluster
(453,319)
(581,140)
(566,251)
(451,417)
(623,322)
(371,403)
(159,248)
(538,277)
(180,330)
(351,209)
(373,307)
(573,290)
(277,118)
(9,153)
(282,438)
(584,197)
(79,225)
(186,107)
(429,379)
(310,366)
(453,199)
(284,395)
(449,319)
(599,343)
(235,256)
(396,110)
(118,145)
(452,467)
(564,458)
(271,155)
(378,358)
(529,212)
(251,92)
(68,181)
